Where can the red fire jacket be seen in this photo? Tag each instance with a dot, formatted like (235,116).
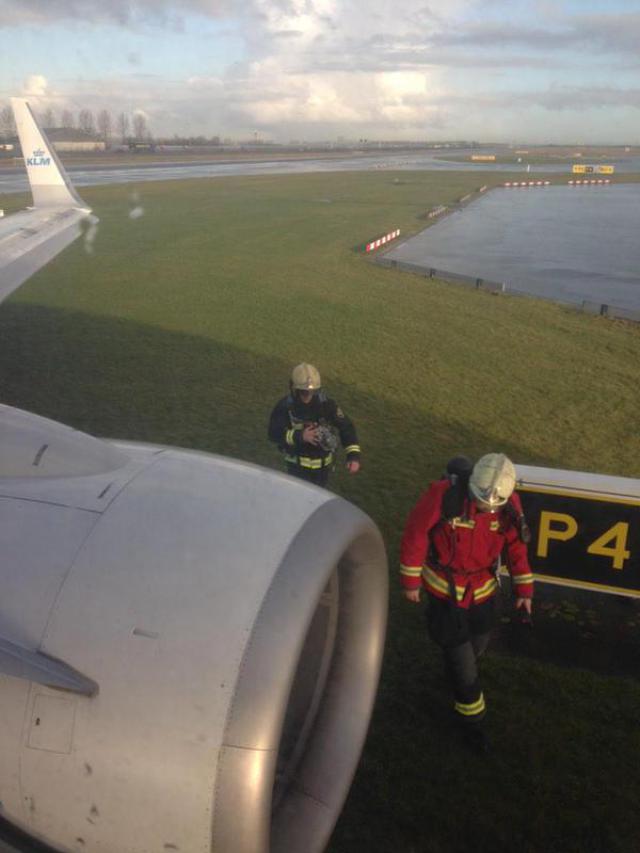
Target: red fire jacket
(468,546)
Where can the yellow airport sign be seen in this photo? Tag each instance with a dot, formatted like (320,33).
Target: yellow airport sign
(588,540)
(483,157)
(583,169)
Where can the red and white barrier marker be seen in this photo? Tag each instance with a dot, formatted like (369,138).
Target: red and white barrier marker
(527,184)
(375,244)
(589,182)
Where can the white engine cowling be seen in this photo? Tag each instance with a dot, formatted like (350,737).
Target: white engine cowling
(191,647)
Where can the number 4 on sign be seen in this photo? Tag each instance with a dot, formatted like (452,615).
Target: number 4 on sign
(561,527)
(617,550)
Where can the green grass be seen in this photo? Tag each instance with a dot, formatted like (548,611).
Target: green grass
(546,158)
(182,327)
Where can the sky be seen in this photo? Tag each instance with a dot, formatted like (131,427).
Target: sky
(535,71)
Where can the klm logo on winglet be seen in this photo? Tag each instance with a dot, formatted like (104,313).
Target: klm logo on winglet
(38,158)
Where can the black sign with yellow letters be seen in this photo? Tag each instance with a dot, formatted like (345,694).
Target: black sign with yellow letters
(583,541)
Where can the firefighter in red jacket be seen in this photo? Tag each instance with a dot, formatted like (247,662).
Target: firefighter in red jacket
(452,544)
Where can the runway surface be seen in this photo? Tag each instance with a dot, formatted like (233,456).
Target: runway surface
(15,180)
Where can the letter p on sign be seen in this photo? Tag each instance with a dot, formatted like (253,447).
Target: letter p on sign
(547,532)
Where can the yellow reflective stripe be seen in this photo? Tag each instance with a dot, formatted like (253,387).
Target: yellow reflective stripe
(290,436)
(485,591)
(494,525)
(411,571)
(469,523)
(308,461)
(304,461)
(472,709)
(352,448)
(486,588)
(439,585)
(436,582)
(522,579)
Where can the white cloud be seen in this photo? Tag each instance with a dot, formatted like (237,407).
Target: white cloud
(402,84)
(35,86)
(317,68)
(121,12)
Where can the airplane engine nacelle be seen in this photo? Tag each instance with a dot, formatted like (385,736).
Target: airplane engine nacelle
(191,647)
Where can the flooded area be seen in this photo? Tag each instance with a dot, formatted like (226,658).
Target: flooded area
(570,244)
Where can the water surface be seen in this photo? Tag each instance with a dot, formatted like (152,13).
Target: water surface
(565,243)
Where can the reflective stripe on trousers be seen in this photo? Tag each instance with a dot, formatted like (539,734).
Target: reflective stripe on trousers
(462,668)
(317,476)
(309,461)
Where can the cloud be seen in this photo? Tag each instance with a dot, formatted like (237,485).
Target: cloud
(314,68)
(271,16)
(266,95)
(615,33)
(563,98)
(35,86)
(612,33)
(586,98)
(123,13)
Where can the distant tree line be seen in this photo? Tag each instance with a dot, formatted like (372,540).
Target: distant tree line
(103,124)
(7,123)
(191,140)
(111,128)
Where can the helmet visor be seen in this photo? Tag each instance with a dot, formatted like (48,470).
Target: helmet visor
(489,503)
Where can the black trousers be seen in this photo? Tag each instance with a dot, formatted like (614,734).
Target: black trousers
(317,476)
(463,635)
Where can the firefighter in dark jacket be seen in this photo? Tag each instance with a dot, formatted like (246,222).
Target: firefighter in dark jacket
(452,545)
(306,424)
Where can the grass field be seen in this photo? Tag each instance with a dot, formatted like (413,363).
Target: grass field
(547,156)
(181,328)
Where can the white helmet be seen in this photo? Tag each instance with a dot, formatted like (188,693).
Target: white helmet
(492,481)
(305,377)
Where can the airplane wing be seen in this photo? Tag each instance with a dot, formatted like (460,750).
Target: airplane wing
(232,619)
(31,238)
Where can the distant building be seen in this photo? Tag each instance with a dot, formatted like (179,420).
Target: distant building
(68,139)
(8,149)
(141,146)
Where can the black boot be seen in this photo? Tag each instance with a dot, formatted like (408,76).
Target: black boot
(475,738)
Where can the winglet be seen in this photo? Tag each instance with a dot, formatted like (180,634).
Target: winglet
(50,184)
